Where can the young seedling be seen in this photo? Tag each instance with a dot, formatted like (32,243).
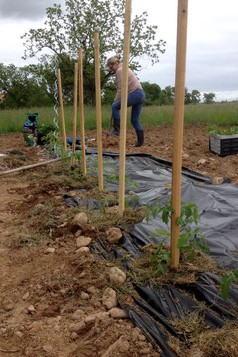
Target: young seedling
(188,240)
(227,131)
(161,259)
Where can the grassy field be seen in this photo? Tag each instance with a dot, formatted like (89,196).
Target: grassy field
(219,114)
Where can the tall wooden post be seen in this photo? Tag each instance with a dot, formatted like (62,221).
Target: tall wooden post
(98,109)
(81,112)
(75,113)
(178,127)
(124,94)
(61,110)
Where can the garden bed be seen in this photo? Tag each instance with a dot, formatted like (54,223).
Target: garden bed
(42,289)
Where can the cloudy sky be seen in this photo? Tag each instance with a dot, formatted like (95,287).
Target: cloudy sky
(212,40)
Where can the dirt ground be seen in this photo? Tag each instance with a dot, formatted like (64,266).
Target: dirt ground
(50,294)
(196,153)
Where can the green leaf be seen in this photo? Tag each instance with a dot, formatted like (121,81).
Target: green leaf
(225,286)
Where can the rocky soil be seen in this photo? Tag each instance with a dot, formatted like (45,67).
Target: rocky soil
(57,298)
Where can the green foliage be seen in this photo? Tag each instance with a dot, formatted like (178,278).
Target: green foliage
(76,172)
(225,131)
(109,92)
(152,92)
(66,159)
(114,177)
(44,129)
(192,98)
(154,210)
(209,98)
(190,239)
(167,96)
(12,120)
(73,26)
(111,176)
(53,143)
(226,281)
(216,114)
(189,214)
(161,259)
(132,200)
(195,96)
(21,87)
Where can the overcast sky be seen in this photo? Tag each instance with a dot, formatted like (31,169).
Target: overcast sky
(212,40)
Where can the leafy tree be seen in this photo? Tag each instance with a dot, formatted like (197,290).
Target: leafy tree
(21,87)
(109,92)
(66,30)
(167,96)
(195,96)
(209,98)
(188,97)
(152,92)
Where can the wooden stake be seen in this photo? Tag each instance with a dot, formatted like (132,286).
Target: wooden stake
(178,128)
(124,94)
(98,110)
(81,110)
(75,113)
(61,110)
(28,167)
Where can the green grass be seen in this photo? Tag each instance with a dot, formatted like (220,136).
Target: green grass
(219,114)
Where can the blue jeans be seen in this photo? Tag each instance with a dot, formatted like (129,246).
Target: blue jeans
(135,100)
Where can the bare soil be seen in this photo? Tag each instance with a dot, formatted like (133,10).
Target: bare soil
(196,153)
(44,293)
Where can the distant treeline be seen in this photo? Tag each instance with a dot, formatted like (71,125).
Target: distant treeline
(36,85)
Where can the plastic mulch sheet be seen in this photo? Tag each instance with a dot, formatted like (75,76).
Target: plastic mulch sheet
(150,179)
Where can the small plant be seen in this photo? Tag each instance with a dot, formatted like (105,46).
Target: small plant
(111,176)
(227,131)
(45,128)
(77,161)
(131,182)
(161,259)
(226,281)
(188,241)
(132,200)
(53,143)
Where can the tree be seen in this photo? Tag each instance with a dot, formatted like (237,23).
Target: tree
(72,28)
(188,97)
(108,93)
(209,98)
(167,96)
(195,96)
(152,93)
(21,87)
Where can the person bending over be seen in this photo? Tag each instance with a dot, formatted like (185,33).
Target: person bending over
(135,100)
